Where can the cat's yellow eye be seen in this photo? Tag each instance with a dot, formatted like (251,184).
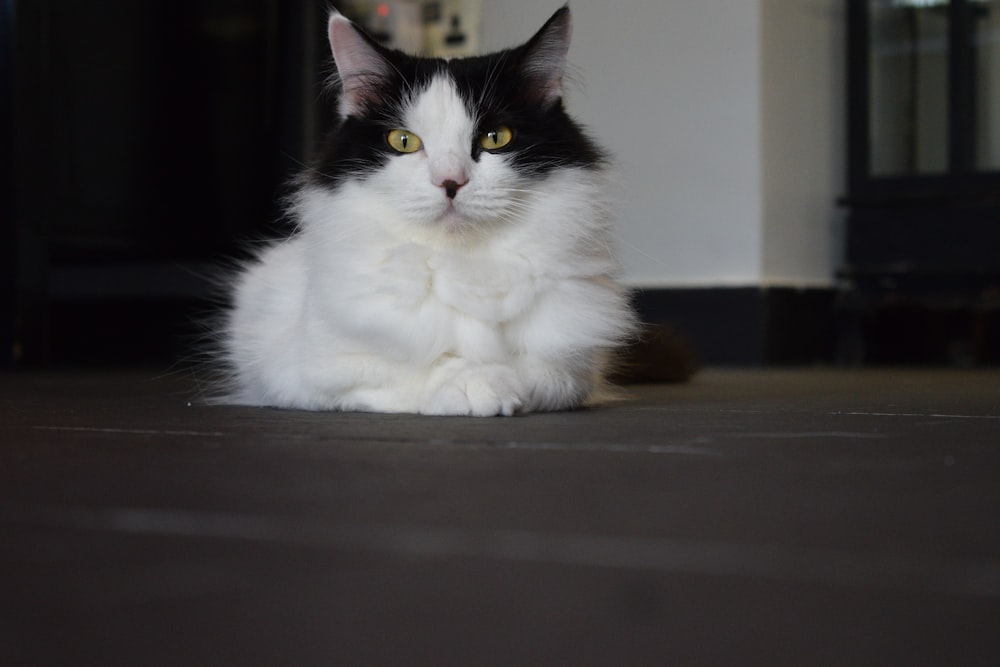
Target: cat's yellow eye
(404,141)
(496,138)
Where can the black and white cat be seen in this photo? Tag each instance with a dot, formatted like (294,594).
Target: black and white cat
(453,254)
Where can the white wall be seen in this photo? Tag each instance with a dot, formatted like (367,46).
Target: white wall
(679,91)
(803,134)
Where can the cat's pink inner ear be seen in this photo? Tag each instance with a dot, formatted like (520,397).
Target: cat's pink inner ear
(545,60)
(360,66)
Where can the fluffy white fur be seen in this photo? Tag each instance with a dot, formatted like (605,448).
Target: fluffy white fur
(392,297)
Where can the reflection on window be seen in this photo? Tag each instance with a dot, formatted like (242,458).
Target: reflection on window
(909,87)
(986,76)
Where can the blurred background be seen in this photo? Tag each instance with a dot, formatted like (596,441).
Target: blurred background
(805,181)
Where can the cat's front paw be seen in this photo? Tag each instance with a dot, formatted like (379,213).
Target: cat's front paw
(487,391)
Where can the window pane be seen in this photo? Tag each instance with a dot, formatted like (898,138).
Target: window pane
(986,42)
(909,87)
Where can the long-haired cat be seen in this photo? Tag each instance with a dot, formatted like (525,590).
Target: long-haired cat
(453,252)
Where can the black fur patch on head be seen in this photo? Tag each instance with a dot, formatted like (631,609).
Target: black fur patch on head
(356,146)
(498,89)
(497,93)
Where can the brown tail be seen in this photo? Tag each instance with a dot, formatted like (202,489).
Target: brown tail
(658,354)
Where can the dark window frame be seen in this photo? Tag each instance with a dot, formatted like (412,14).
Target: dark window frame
(961,181)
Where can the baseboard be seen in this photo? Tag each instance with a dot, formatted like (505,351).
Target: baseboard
(747,326)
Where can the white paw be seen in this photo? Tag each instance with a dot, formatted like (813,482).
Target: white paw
(478,391)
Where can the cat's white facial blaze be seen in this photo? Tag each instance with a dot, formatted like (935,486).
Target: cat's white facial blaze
(442,184)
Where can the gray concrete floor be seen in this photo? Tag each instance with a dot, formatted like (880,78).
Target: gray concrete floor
(766,517)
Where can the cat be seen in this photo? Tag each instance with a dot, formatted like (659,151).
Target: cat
(453,249)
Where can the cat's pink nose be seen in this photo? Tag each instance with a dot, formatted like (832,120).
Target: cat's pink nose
(451,187)
(449,171)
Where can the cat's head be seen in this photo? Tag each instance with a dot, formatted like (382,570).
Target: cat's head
(458,143)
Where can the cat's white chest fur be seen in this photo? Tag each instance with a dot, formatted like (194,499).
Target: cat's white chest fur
(446,279)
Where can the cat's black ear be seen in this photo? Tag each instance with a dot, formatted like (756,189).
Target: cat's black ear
(544,60)
(362,68)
